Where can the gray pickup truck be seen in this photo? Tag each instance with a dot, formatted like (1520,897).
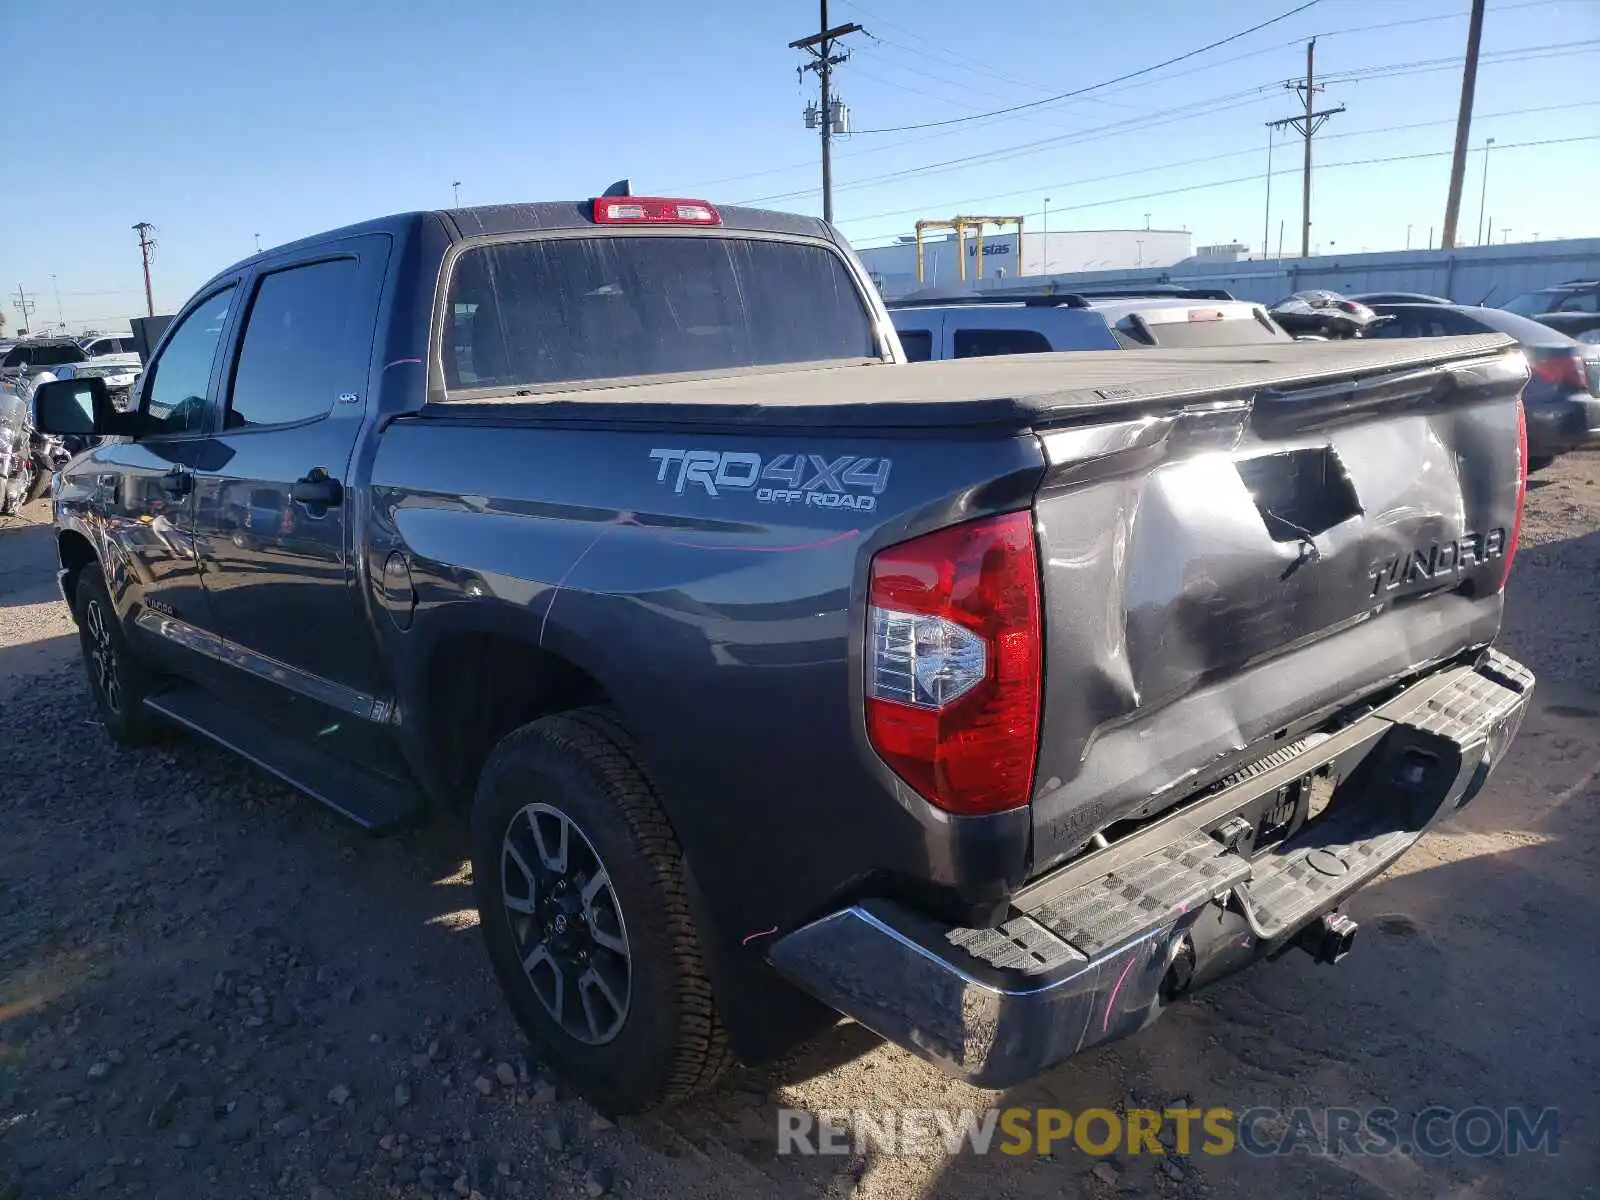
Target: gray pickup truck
(995,704)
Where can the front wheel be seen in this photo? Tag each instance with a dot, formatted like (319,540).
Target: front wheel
(39,485)
(1539,462)
(583,898)
(118,681)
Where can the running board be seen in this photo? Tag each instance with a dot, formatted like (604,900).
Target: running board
(372,801)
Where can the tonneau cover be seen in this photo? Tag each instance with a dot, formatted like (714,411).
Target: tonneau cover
(1021,389)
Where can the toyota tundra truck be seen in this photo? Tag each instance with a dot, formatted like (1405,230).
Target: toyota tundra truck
(995,704)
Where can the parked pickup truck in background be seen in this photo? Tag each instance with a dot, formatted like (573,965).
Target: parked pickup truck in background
(995,704)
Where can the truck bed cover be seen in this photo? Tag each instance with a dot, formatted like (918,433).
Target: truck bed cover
(1015,390)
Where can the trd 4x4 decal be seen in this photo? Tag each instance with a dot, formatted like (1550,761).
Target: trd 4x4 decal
(848,481)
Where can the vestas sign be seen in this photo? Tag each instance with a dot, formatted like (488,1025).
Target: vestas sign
(990,248)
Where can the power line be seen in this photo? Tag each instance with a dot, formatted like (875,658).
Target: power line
(1206,158)
(1094,87)
(1094,133)
(939,54)
(1328,33)
(1199,187)
(1206,107)
(1355,75)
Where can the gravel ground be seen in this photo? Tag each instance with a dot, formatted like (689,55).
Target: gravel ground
(211,987)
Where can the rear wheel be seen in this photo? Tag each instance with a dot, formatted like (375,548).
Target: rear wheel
(118,681)
(583,899)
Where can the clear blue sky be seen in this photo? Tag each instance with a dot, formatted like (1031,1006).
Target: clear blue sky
(220,121)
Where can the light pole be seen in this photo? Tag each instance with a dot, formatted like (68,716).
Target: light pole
(1147,221)
(1408,237)
(1483,195)
(1047,235)
(456,188)
(258,243)
(60,319)
(1505,236)
(1139,244)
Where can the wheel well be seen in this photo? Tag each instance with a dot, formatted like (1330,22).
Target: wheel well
(76,553)
(481,686)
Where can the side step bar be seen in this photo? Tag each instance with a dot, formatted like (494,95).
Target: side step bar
(372,801)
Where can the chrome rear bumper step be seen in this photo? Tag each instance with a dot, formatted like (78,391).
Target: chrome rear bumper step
(1091,952)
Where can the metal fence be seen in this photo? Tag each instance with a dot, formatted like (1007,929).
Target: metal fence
(1474,275)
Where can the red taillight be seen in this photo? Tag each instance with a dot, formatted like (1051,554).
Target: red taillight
(1561,369)
(1522,489)
(654,210)
(954,663)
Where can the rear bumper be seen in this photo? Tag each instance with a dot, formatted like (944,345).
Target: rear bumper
(1559,424)
(1591,419)
(1096,950)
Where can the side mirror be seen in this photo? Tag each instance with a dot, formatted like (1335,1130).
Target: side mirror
(78,407)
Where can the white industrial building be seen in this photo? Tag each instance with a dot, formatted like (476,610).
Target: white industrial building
(894,268)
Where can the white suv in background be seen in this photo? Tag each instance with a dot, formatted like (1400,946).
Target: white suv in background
(976,325)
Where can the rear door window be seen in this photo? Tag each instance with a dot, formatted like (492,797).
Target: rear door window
(1531,304)
(564,310)
(980,343)
(917,343)
(44,356)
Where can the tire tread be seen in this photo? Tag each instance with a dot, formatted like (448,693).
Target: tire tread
(594,737)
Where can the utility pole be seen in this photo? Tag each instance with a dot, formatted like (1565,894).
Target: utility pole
(1483,196)
(146,244)
(820,47)
(1046,237)
(1306,125)
(61,319)
(1458,164)
(1266,218)
(24,304)
(456,189)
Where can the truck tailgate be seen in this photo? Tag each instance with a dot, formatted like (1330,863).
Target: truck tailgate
(1222,573)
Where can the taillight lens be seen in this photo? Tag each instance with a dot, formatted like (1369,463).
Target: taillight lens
(1522,489)
(1562,369)
(954,663)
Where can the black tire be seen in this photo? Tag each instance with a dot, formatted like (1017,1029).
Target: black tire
(118,681)
(1539,462)
(580,767)
(40,485)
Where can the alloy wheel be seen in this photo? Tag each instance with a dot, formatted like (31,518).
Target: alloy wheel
(567,923)
(103,656)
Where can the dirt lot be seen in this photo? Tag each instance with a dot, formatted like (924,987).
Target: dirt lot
(211,987)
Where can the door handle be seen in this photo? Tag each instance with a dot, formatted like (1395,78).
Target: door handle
(177,482)
(317,488)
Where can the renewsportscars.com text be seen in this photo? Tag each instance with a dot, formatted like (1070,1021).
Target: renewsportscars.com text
(1260,1131)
